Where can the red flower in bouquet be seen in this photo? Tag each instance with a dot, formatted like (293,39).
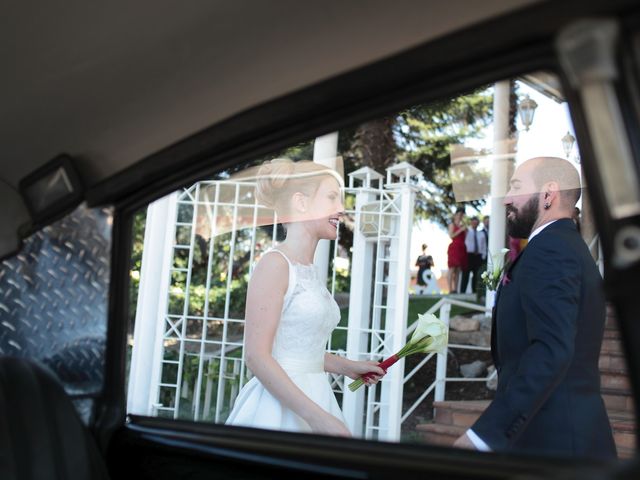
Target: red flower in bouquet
(430,335)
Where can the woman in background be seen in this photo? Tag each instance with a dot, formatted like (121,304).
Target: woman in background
(457,251)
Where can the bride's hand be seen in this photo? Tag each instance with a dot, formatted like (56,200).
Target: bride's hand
(327,424)
(357,369)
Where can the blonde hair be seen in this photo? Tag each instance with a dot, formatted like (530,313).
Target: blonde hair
(279,179)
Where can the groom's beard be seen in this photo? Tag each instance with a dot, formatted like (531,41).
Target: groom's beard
(523,220)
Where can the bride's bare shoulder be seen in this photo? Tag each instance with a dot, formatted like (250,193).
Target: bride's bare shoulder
(272,265)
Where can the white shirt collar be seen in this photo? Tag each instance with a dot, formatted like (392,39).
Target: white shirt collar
(539,229)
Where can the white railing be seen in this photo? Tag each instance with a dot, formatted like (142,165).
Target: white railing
(442,309)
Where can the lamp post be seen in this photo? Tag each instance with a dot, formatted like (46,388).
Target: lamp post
(567,143)
(501,169)
(527,109)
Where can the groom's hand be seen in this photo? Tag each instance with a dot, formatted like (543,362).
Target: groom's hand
(464,442)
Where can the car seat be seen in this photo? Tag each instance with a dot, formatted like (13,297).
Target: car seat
(41,435)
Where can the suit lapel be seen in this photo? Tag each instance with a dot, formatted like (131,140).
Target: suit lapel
(562,223)
(558,224)
(494,345)
(494,330)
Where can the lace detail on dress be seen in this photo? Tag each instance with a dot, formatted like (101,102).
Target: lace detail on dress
(309,316)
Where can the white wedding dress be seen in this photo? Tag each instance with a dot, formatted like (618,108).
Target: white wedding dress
(309,315)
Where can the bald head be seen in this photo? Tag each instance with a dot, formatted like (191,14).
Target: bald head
(542,189)
(554,169)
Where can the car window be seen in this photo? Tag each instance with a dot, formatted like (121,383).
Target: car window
(412,213)
(53,302)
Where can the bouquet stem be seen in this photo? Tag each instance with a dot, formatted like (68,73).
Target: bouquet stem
(356,384)
(430,335)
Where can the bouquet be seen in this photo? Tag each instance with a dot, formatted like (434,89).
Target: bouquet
(431,335)
(495,266)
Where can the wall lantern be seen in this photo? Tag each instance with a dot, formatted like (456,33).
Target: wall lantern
(376,219)
(567,143)
(526,109)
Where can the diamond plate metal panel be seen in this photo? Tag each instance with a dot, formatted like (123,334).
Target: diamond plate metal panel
(53,299)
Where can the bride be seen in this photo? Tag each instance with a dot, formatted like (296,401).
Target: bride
(289,312)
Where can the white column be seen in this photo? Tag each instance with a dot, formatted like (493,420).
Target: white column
(325,152)
(502,166)
(359,314)
(397,310)
(146,356)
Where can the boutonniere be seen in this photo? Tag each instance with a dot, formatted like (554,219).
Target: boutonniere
(495,272)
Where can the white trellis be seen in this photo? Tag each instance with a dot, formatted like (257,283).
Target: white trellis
(183,352)
(379,293)
(187,360)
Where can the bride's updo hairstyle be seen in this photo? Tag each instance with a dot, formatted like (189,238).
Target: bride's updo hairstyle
(279,179)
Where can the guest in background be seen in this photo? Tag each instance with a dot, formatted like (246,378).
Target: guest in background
(457,252)
(576,218)
(485,232)
(485,229)
(476,245)
(424,263)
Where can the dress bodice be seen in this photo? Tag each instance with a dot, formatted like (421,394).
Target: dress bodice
(309,315)
(459,239)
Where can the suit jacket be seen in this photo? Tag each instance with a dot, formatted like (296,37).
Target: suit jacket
(547,331)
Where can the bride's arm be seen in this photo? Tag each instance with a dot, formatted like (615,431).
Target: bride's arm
(265,296)
(352,369)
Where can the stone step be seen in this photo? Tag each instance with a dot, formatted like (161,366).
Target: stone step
(611,342)
(453,418)
(445,435)
(465,413)
(459,413)
(611,334)
(623,425)
(613,362)
(625,440)
(612,379)
(436,434)
(625,453)
(611,322)
(611,346)
(617,400)
(624,418)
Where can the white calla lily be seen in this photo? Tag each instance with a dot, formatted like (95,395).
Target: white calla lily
(431,335)
(434,330)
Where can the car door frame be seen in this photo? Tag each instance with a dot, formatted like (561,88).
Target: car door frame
(515,44)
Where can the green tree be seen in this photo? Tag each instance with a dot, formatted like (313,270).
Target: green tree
(423,136)
(135,265)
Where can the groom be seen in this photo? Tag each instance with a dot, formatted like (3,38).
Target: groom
(547,329)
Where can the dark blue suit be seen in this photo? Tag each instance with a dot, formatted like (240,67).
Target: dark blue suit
(546,336)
